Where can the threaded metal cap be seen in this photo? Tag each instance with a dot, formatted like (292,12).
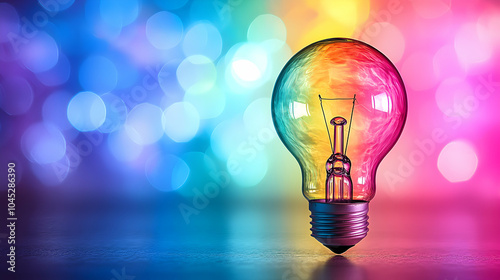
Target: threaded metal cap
(339,226)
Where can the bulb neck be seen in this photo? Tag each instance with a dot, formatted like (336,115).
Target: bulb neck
(339,226)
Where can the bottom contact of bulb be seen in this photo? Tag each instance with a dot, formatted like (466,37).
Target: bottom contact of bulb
(339,226)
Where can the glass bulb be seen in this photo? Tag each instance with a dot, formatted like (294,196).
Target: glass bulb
(339,106)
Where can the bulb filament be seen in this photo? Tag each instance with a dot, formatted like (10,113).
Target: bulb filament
(338,166)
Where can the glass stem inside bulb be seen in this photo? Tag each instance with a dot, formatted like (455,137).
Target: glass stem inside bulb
(338,139)
(338,182)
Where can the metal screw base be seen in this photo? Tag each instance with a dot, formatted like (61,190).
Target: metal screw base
(339,226)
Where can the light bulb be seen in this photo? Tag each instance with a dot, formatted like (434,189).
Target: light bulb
(339,106)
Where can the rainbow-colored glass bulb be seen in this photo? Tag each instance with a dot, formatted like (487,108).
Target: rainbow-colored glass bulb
(342,103)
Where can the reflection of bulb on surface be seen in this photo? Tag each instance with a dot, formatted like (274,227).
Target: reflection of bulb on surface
(363,97)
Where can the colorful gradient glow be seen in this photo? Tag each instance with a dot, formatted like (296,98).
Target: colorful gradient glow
(187,76)
(345,70)
(145,104)
(198,77)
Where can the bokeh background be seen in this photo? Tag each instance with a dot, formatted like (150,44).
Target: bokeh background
(144,128)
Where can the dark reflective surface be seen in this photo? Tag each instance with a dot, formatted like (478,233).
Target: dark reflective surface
(339,267)
(106,239)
